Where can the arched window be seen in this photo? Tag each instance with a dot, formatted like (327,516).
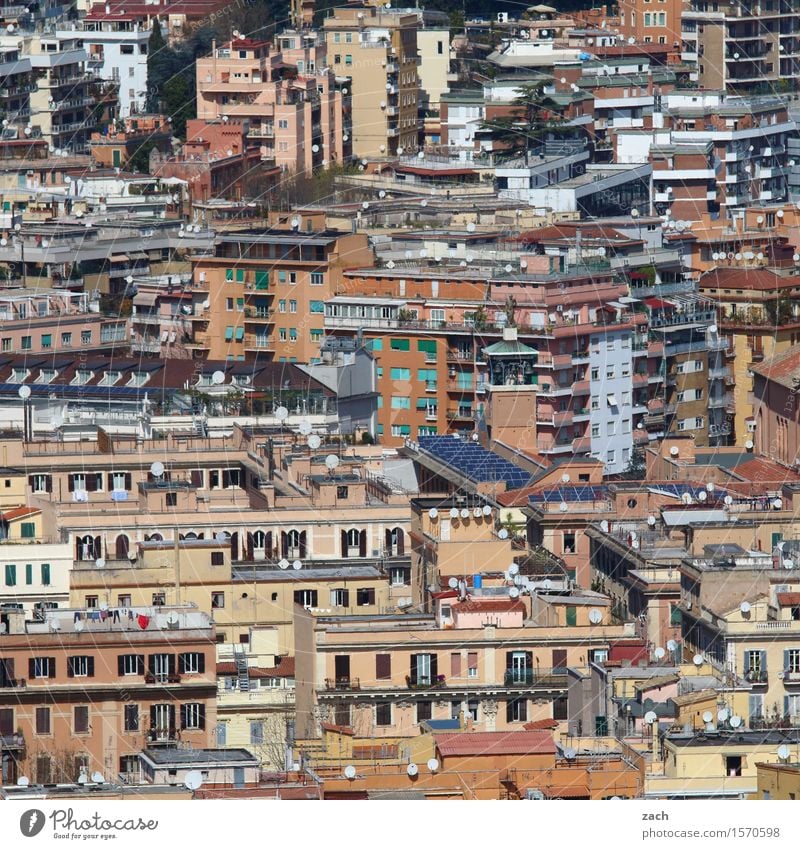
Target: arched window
(88,548)
(293,544)
(122,547)
(354,543)
(395,542)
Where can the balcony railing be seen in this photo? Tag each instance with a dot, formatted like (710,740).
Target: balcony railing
(342,684)
(533,677)
(162,736)
(162,678)
(756,676)
(425,682)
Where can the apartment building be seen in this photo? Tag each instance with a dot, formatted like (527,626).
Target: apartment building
(264,292)
(61,104)
(35,569)
(18,83)
(652,23)
(114,147)
(377,49)
(160,316)
(740,46)
(87,690)
(299,120)
(117,45)
(756,313)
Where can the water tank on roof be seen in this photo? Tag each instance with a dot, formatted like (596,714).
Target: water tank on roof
(477,582)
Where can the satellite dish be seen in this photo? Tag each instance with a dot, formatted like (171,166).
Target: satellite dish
(433,513)
(728,500)
(221,536)
(305,427)
(194,779)
(595,616)
(297,565)
(650,717)
(660,652)
(314,441)
(736,721)
(100,562)
(433,765)
(674,451)
(487,510)
(283,564)
(546,584)
(783,752)
(710,486)
(563,507)
(97,777)
(454,512)
(697,660)
(452,583)
(218,377)
(672,645)
(464,513)
(708,716)
(748,445)
(744,607)
(702,496)
(635,544)
(23,781)
(723,714)
(514,592)
(79,625)
(570,754)
(281,414)
(157,469)
(350,772)
(502,533)
(24,392)
(332,462)
(477,512)
(651,520)
(777,503)
(412,770)
(83,778)
(513,569)
(686,498)
(565,478)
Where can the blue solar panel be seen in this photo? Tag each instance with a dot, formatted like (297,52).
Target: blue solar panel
(474,461)
(558,494)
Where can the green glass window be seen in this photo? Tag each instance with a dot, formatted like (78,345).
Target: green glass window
(262,280)
(11,575)
(239,334)
(45,574)
(400,374)
(228,275)
(228,334)
(400,345)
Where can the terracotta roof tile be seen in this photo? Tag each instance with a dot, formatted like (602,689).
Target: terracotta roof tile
(788,599)
(285,669)
(781,369)
(338,729)
(760,279)
(495,743)
(760,469)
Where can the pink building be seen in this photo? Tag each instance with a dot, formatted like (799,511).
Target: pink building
(295,114)
(777,411)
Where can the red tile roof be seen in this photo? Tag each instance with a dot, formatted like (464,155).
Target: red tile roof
(567,230)
(338,729)
(285,669)
(781,369)
(541,725)
(758,279)
(788,599)
(759,469)
(495,743)
(20,512)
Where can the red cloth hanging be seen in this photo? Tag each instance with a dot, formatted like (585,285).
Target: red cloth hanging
(144,621)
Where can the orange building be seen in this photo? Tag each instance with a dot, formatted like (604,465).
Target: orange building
(263,292)
(651,21)
(84,690)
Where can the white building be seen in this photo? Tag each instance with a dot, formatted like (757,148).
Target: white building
(117,45)
(41,573)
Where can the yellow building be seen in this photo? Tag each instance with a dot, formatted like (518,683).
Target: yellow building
(377,49)
(779,781)
(716,765)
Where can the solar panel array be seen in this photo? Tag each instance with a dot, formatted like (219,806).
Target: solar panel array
(570,494)
(473,461)
(679,489)
(67,390)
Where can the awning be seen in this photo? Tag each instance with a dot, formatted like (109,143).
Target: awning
(574,791)
(145,299)
(658,304)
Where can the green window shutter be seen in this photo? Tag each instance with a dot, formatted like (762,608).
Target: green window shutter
(47,340)
(228,334)
(776,538)
(28,530)
(239,334)
(45,574)
(675,615)
(375,344)
(380,430)
(422,403)
(572,615)
(464,380)
(29,573)
(427,346)
(400,345)
(401,402)
(317,306)
(240,275)
(11,575)
(405,430)
(228,275)
(262,280)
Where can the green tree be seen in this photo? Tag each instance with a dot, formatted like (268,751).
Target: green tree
(178,103)
(534,119)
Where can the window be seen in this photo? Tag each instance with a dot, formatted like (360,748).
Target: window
(424,711)
(348,59)
(383,667)
(26,343)
(569,542)
(11,575)
(401,430)
(340,598)
(42,667)
(191,662)
(595,402)
(131,718)
(791,661)
(80,666)
(86,337)
(472,664)
(365,596)
(81,719)
(400,345)
(42,720)
(292,306)
(596,429)
(306,598)
(171,499)
(217,558)
(159,599)
(193,716)
(517,710)
(256,732)
(317,278)
(222,734)
(401,402)
(611,456)
(45,574)
(755,665)
(130,664)
(28,574)
(400,374)
(383,714)
(217,601)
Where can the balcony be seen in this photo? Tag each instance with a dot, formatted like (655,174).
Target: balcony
(459,356)
(431,386)
(342,684)
(720,401)
(460,414)
(534,677)
(259,343)
(791,679)
(162,678)
(258,315)
(582,444)
(640,379)
(756,677)
(162,736)
(13,683)
(425,682)
(655,349)
(12,742)
(641,437)
(580,387)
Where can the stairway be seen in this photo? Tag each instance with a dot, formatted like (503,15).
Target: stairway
(242,674)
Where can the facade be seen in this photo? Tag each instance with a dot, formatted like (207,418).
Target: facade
(775,407)
(377,50)
(83,693)
(647,23)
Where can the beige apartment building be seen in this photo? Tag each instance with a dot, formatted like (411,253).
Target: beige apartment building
(86,690)
(377,49)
